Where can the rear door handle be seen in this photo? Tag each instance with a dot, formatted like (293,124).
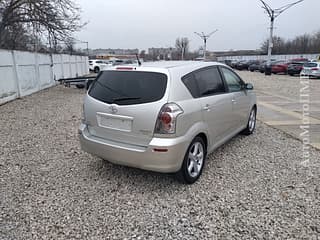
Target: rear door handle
(233,101)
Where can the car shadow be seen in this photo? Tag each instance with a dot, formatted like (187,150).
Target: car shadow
(133,178)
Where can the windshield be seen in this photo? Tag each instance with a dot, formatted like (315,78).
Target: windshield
(129,87)
(310,64)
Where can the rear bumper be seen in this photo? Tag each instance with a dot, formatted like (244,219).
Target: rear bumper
(137,156)
(312,74)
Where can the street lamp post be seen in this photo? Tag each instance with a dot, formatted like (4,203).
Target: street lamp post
(205,38)
(273,14)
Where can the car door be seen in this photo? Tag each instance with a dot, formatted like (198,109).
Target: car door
(240,99)
(215,102)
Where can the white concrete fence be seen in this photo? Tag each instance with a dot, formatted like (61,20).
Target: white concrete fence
(24,73)
(264,57)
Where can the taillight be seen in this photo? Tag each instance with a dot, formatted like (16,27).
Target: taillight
(314,69)
(167,119)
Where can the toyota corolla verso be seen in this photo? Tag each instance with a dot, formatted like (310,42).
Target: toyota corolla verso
(166,116)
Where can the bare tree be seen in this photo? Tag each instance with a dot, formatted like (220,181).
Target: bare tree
(305,43)
(49,20)
(182,45)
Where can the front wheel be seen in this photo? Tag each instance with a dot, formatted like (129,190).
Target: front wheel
(193,162)
(251,126)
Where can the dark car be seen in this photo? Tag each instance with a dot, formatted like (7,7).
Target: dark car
(242,65)
(234,63)
(255,65)
(295,68)
(263,65)
(228,62)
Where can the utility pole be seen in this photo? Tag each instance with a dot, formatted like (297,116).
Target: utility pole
(205,38)
(87,43)
(273,14)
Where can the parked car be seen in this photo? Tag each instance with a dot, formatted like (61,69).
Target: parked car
(255,65)
(234,63)
(263,65)
(166,116)
(117,62)
(311,69)
(228,62)
(295,68)
(242,65)
(282,66)
(96,65)
(279,67)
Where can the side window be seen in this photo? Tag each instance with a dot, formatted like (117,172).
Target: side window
(233,81)
(191,84)
(209,82)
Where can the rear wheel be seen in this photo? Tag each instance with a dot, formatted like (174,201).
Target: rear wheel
(96,69)
(193,162)
(251,126)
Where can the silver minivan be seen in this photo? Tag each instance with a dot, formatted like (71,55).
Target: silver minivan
(166,116)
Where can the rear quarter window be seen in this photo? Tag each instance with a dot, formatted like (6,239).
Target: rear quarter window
(190,82)
(204,82)
(129,87)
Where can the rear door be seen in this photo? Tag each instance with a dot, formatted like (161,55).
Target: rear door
(215,102)
(123,106)
(240,99)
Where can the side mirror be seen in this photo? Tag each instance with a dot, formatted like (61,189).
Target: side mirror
(248,86)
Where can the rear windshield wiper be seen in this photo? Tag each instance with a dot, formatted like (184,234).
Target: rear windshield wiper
(111,89)
(125,99)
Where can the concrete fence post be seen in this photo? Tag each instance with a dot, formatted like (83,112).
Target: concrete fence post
(16,76)
(61,64)
(37,70)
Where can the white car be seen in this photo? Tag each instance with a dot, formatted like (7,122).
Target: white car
(96,65)
(311,69)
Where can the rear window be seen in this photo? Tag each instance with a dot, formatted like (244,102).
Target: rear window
(129,87)
(310,64)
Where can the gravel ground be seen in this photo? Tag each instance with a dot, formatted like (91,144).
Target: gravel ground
(252,188)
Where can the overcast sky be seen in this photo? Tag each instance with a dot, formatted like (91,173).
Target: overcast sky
(142,24)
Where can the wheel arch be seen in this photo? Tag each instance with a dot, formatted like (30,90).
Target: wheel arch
(204,137)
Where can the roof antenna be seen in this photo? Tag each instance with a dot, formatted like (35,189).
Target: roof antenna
(139,63)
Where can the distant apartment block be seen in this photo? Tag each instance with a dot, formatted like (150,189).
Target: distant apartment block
(109,51)
(160,53)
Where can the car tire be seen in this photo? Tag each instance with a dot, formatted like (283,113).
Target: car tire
(251,125)
(96,69)
(193,162)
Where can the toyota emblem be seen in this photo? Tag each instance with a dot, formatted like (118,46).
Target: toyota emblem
(113,109)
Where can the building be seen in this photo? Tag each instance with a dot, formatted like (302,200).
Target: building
(161,53)
(109,51)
